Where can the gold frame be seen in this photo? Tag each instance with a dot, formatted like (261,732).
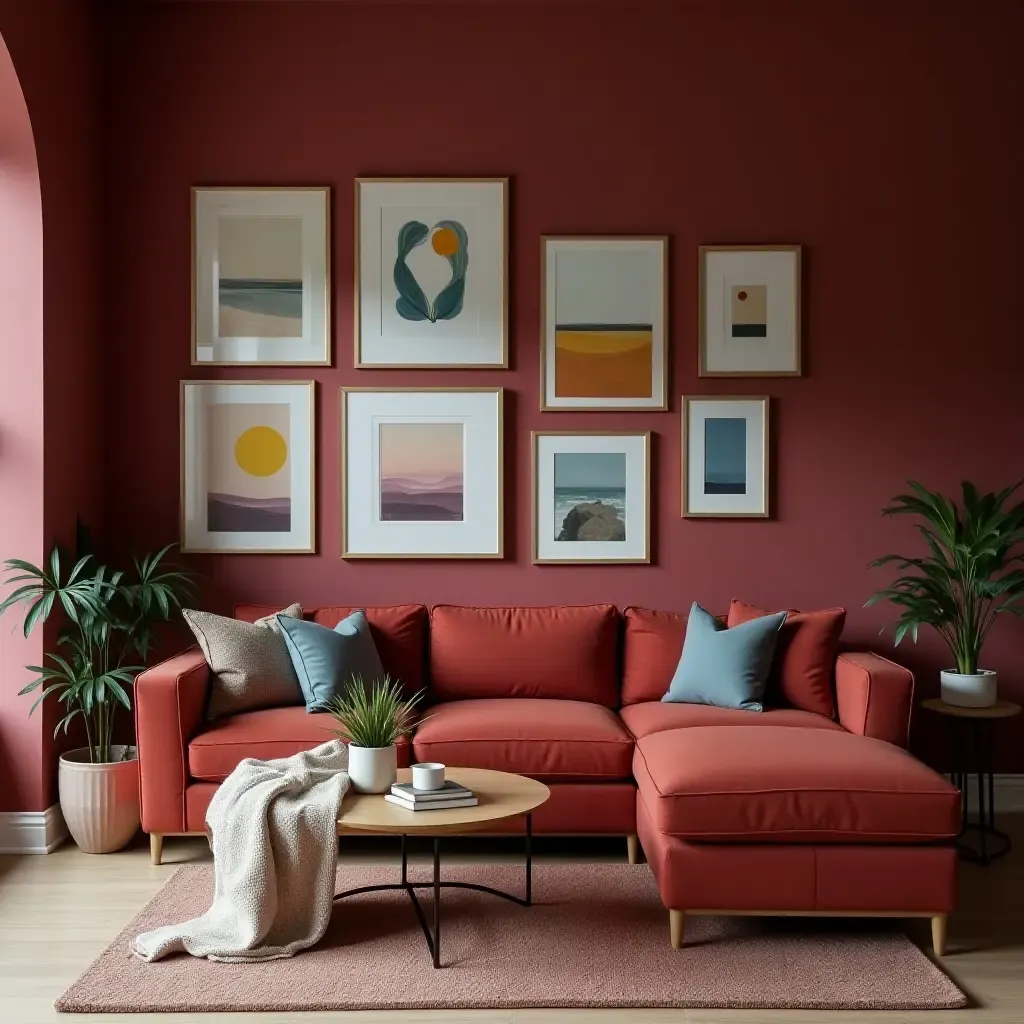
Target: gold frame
(358,345)
(544,407)
(328,321)
(535,436)
(702,341)
(684,453)
(343,392)
(311,385)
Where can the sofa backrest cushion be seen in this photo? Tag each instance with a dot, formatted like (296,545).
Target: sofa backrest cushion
(399,632)
(565,653)
(652,646)
(805,658)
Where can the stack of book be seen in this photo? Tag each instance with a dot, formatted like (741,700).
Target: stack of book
(451,794)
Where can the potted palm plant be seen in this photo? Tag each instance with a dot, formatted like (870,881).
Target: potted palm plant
(372,718)
(965,581)
(110,624)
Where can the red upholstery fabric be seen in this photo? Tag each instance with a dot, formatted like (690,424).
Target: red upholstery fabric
(399,632)
(548,739)
(267,733)
(805,656)
(774,877)
(874,696)
(594,808)
(749,784)
(653,716)
(170,699)
(652,646)
(566,653)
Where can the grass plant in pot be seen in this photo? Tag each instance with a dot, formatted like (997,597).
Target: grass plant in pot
(372,718)
(963,584)
(110,620)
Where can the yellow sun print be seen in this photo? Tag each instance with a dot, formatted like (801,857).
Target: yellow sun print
(261,451)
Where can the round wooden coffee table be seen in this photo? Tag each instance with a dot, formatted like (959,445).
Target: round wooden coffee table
(500,795)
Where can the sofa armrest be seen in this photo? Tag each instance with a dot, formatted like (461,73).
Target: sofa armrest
(874,696)
(169,702)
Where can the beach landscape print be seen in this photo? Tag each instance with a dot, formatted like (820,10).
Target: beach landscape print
(422,472)
(725,455)
(259,276)
(590,496)
(248,473)
(604,334)
(748,310)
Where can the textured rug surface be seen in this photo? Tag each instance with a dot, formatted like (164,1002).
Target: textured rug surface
(597,936)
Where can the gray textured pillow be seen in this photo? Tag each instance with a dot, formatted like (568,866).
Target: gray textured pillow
(727,668)
(249,660)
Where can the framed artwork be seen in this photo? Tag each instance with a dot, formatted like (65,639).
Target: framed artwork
(431,272)
(725,456)
(749,311)
(605,316)
(421,473)
(247,466)
(260,277)
(591,497)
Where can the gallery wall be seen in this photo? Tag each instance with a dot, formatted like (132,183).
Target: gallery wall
(878,136)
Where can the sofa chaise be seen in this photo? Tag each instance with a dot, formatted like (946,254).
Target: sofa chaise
(782,812)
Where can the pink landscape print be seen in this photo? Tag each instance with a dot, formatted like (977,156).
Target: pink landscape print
(421,472)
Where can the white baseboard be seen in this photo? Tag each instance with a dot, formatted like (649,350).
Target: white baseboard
(32,831)
(1009,793)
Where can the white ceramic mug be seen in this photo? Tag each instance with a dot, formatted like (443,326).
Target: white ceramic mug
(428,776)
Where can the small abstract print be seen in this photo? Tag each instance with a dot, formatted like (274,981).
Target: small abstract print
(590,496)
(748,310)
(259,277)
(449,242)
(422,472)
(248,472)
(725,455)
(604,360)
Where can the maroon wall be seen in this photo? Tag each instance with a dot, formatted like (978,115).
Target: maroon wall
(880,136)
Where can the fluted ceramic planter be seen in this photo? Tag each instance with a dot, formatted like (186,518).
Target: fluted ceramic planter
(100,802)
(372,769)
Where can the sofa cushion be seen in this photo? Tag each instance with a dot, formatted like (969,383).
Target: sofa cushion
(652,644)
(566,740)
(757,784)
(272,732)
(805,657)
(655,716)
(567,653)
(399,632)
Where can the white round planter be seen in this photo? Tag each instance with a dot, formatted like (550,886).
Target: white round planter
(372,769)
(100,802)
(979,690)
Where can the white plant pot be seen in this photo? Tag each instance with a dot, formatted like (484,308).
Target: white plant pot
(100,802)
(979,690)
(372,769)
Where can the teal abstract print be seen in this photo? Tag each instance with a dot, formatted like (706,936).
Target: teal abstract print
(448,239)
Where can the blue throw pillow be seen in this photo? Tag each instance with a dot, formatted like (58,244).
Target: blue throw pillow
(727,668)
(325,660)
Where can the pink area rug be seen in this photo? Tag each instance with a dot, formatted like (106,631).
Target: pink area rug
(597,936)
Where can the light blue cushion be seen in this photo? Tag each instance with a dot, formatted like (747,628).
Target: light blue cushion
(725,667)
(325,660)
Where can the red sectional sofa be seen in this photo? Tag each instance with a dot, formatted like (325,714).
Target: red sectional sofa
(779,812)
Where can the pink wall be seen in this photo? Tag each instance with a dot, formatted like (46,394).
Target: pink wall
(882,137)
(51,357)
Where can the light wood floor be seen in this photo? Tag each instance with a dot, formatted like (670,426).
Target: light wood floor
(58,912)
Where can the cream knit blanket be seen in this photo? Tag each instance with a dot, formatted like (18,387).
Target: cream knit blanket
(274,828)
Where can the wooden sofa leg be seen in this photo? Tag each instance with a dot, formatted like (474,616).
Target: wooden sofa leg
(156,846)
(633,849)
(939,934)
(677,927)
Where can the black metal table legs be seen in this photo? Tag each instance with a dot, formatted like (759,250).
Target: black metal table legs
(991,842)
(432,932)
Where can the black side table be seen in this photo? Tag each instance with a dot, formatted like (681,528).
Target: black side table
(974,757)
